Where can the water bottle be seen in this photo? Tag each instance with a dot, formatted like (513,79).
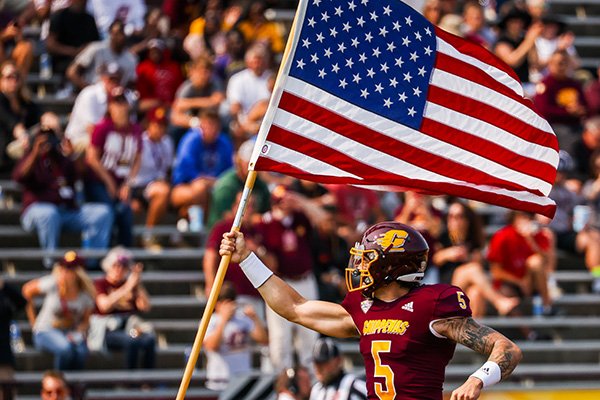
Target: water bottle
(85,239)
(45,66)
(16,340)
(537,309)
(196,214)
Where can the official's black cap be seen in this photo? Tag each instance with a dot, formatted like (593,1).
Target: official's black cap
(325,349)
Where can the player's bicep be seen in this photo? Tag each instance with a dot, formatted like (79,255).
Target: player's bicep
(467,332)
(328,318)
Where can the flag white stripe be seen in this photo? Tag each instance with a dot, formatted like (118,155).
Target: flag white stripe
(483,94)
(519,196)
(491,133)
(398,132)
(314,166)
(497,74)
(302,161)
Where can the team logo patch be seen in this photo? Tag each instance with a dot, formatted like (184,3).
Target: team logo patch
(393,240)
(408,306)
(365,305)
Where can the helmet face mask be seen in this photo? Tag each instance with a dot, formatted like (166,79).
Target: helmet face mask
(388,252)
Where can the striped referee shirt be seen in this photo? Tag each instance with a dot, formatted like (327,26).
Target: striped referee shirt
(344,387)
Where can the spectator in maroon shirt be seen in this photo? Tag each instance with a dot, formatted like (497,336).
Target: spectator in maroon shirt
(158,77)
(121,295)
(288,235)
(114,160)
(592,96)
(48,177)
(560,99)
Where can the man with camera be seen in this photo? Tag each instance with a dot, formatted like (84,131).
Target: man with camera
(48,175)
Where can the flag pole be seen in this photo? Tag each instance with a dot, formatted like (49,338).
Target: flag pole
(237,222)
(214,292)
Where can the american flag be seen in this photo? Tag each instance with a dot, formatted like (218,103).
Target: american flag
(372,94)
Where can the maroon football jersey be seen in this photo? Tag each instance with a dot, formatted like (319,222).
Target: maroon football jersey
(403,358)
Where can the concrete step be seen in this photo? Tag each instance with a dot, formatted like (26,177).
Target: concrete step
(30,259)
(14,236)
(572,7)
(156,282)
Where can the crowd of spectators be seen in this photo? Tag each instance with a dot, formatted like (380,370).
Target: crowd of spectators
(165,112)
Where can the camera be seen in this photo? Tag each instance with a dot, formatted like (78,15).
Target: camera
(53,139)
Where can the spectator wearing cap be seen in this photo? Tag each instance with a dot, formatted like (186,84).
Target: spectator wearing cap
(91,105)
(84,69)
(71,29)
(516,42)
(122,297)
(130,12)
(114,158)
(203,154)
(560,100)
(158,77)
(150,188)
(231,182)
(62,323)
(229,336)
(201,91)
(584,237)
(48,175)
(332,381)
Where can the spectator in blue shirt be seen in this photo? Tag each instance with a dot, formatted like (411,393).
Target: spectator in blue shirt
(202,155)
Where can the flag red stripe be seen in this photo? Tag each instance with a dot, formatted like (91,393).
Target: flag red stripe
(476,51)
(385,144)
(266,164)
(483,112)
(471,73)
(488,149)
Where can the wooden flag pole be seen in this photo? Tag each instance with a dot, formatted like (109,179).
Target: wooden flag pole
(214,291)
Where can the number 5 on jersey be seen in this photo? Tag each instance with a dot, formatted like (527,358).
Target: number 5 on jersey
(461,300)
(383,371)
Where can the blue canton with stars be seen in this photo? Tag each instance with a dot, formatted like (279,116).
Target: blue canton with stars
(375,54)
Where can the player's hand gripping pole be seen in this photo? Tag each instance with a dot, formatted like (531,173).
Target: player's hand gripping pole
(214,292)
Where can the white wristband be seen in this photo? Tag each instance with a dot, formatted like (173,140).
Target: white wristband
(254,269)
(489,374)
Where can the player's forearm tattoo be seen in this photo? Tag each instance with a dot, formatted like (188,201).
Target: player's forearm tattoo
(484,340)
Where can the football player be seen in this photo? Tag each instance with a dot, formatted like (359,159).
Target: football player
(408,331)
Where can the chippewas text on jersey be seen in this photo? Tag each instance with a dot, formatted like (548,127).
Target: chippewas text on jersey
(390,326)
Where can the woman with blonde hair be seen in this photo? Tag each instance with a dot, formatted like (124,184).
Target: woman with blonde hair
(62,323)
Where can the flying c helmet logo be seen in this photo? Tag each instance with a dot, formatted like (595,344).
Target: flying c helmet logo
(393,240)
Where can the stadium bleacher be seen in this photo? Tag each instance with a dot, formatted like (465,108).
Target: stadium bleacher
(569,351)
